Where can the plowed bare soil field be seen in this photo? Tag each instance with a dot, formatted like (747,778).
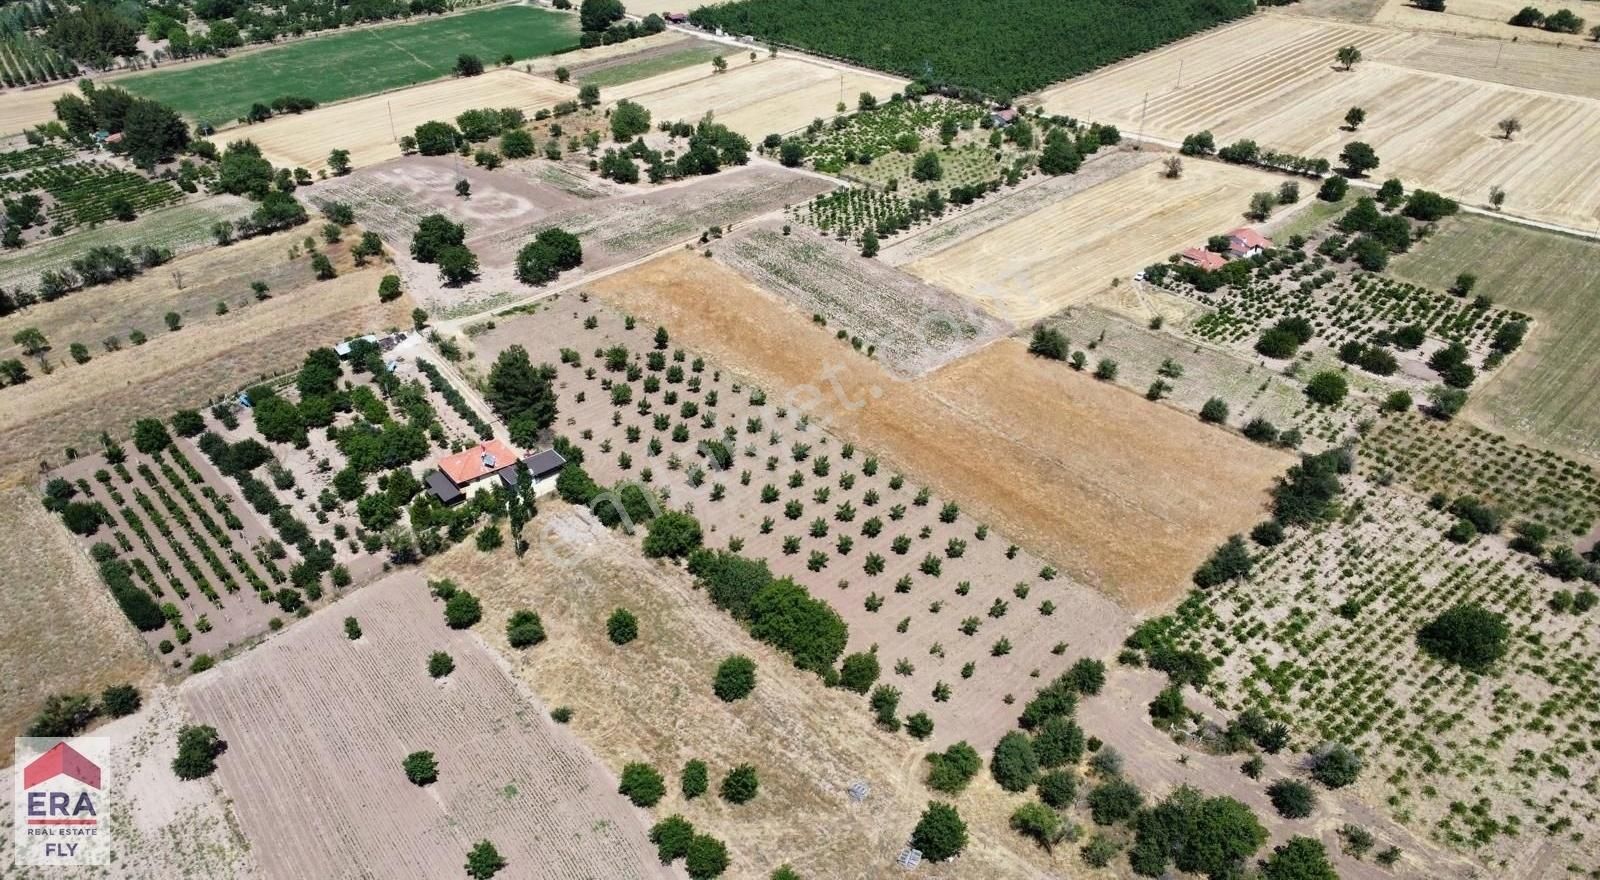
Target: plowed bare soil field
(1125,495)
(772,95)
(25,108)
(317,726)
(370,128)
(1274,79)
(1482,18)
(1072,248)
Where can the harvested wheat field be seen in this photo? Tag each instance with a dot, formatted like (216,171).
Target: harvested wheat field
(507,773)
(651,701)
(1564,68)
(1429,129)
(25,108)
(56,619)
(771,95)
(208,358)
(370,128)
(1073,248)
(1127,496)
(1480,18)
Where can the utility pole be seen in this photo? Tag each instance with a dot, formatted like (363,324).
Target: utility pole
(1497,51)
(1143,109)
(1180,73)
(393,137)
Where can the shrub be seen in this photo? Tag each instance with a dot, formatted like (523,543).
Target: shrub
(1059,742)
(940,833)
(1014,764)
(421,768)
(1214,411)
(1058,788)
(740,785)
(63,715)
(622,627)
(859,672)
(950,771)
(1327,388)
(1300,858)
(642,784)
(1335,766)
(198,748)
(672,535)
(1268,533)
(524,629)
(736,678)
(120,700)
(1087,675)
(1039,822)
(695,779)
(1292,799)
(1229,561)
(440,664)
(671,836)
(1115,800)
(707,858)
(1466,635)
(483,860)
(462,610)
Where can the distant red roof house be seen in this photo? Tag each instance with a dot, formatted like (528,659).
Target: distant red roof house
(478,462)
(1004,117)
(677,17)
(61,760)
(1203,258)
(1246,242)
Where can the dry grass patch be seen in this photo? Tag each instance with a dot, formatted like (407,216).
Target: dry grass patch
(370,127)
(1428,129)
(755,99)
(1567,69)
(1127,496)
(1071,249)
(507,773)
(1479,18)
(651,700)
(205,360)
(60,631)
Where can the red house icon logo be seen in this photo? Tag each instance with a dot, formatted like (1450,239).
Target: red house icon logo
(61,760)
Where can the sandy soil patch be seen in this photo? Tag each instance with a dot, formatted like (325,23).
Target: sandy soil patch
(506,771)
(370,128)
(60,631)
(25,108)
(1290,96)
(207,359)
(1073,248)
(911,327)
(1126,496)
(161,827)
(651,701)
(755,99)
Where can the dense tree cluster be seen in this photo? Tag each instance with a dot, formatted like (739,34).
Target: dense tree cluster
(776,611)
(1020,46)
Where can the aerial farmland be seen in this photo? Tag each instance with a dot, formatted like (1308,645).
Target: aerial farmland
(767,440)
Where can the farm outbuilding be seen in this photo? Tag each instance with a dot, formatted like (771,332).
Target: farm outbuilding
(489,459)
(1203,258)
(1246,242)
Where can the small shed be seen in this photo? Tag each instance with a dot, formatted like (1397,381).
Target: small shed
(677,17)
(1203,258)
(440,487)
(1003,118)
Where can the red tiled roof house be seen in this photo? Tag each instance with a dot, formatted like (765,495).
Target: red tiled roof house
(1246,242)
(1203,258)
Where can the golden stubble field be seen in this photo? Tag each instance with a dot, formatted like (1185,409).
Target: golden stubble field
(25,108)
(1482,18)
(1072,248)
(1273,79)
(756,98)
(370,128)
(1125,495)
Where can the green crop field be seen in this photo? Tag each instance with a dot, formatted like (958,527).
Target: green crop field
(616,74)
(355,63)
(997,47)
(1548,393)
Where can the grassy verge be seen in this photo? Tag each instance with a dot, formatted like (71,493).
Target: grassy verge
(616,74)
